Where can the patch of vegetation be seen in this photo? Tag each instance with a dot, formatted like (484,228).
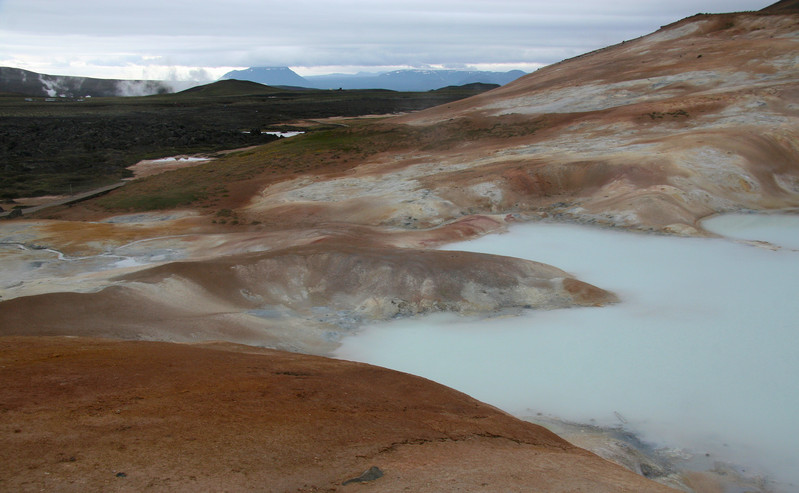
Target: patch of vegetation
(159,198)
(332,150)
(71,146)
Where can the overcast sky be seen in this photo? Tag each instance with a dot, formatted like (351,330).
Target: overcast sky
(203,39)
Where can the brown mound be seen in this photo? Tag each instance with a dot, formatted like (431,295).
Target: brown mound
(297,298)
(92,415)
(346,276)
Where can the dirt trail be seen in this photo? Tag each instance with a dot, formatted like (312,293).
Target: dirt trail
(72,199)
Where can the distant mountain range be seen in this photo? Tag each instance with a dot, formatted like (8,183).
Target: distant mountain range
(398,80)
(237,87)
(271,76)
(33,84)
(25,82)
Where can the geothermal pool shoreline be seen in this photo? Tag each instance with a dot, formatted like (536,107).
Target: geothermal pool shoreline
(663,358)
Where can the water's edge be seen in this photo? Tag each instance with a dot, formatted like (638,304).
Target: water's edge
(696,357)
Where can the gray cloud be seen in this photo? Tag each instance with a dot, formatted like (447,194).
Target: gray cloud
(73,35)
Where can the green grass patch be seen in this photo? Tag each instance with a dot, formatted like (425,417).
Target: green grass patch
(154,194)
(316,152)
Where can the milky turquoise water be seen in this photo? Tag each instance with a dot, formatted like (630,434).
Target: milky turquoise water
(701,355)
(779,229)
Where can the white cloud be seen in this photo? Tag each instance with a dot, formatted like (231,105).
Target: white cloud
(71,35)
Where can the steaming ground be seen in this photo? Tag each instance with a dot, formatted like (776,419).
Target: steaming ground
(699,355)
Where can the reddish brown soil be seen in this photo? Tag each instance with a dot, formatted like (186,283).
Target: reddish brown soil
(96,415)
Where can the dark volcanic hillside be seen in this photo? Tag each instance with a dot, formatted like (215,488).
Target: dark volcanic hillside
(228,88)
(29,83)
(63,145)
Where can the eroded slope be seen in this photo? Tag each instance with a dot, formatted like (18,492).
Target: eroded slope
(699,117)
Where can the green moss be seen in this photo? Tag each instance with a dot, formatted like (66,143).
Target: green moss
(157,194)
(150,202)
(315,152)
